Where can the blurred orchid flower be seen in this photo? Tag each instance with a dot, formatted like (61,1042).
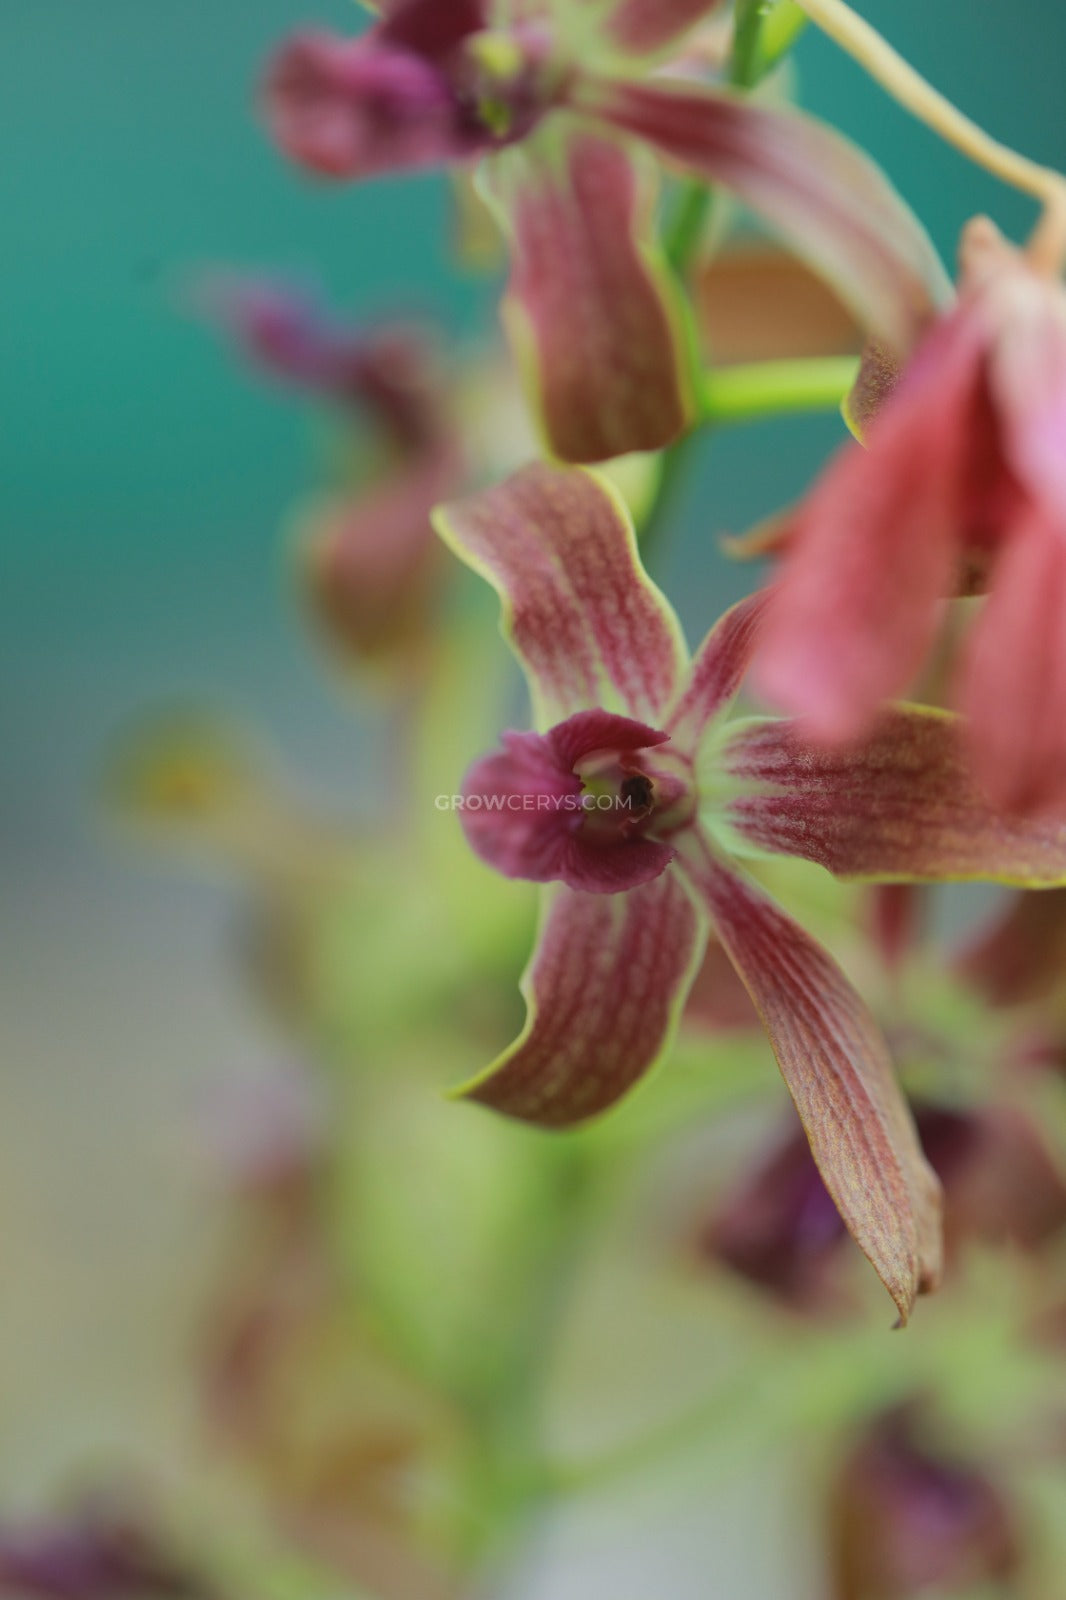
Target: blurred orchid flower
(371,562)
(564,101)
(963,485)
(779,1229)
(1020,957)
(908,1521)
(92,1555)
(633,797)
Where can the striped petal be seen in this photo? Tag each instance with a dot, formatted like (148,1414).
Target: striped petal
(590,309)
(641,27)
(838,1071)
(603,992)
(827,199)
(716,673)
(585,621)
(901,804)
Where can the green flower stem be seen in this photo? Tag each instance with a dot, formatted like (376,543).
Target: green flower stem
(775,388)
(765,32)
(682,238)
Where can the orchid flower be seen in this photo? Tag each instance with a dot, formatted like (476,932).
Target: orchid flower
(778,1227)
(370,559)
(632,799)
(569,103)
(907,1519)
(93,1554)
(962,486)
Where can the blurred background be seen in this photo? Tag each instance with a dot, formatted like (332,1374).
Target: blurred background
(147,476)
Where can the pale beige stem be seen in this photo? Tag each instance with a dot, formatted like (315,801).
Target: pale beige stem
(910,89)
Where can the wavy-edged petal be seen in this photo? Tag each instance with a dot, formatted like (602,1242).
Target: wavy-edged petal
(584,619)
(1013,681)
(902,804)
(828,200)
(717,672)
(590,308)
(642,27)
(838,1071)
(603,991)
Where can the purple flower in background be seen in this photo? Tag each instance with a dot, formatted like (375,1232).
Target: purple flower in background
(564,108)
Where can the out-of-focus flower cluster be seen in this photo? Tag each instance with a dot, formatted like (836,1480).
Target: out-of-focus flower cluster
(431,1318)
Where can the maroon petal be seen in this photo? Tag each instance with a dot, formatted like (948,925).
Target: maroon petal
(642,27)
(717,672)
(431,28)
(590,308)
(821,193)
(582,616)
(901,804)
(352,108)
(838,1071)
(1013,681)
(603,990)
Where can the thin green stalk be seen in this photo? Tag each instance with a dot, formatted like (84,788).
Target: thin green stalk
(775,388)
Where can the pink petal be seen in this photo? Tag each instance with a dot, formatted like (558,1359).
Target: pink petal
(838,1071)
(875,547)
(590,309)
(523,811)
(603,990)
(717,672)
(582,616)
(1027,378)
(352,108)
(641,27)
(822,194)
(1013,681)
(901,804)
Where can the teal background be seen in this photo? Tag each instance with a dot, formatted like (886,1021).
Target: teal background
(145,474)
(145,477)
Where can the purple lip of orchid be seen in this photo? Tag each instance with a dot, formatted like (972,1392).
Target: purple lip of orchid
(590,804)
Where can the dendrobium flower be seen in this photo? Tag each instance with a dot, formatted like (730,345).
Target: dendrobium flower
(779,1229)
(92,1555)
(562,99)
(908,1519)
(370,559)
(632,799)
(962,486)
